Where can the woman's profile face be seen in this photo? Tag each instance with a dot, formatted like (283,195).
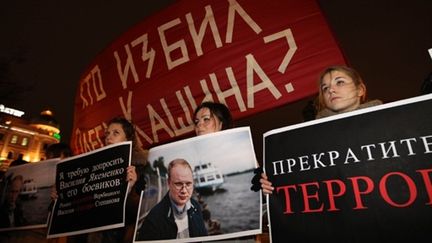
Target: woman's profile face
(114,134)
(206,122)
(339,92)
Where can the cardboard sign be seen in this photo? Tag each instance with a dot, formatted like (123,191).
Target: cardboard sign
(91,191)
(363,176)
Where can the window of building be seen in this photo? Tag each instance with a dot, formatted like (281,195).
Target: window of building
(24,141)
(14,139)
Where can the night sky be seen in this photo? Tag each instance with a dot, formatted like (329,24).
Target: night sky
(46,45)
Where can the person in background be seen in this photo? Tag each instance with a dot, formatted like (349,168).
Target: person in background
(177,215)
(19,161)
(341,89)
(58,150)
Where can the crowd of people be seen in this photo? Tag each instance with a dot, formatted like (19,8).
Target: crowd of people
(180,214)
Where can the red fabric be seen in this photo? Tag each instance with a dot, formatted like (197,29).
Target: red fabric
(181,83)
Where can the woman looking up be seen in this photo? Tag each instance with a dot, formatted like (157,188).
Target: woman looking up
(120,130)
(341,89)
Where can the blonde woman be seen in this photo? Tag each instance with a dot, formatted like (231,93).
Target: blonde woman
(341,89)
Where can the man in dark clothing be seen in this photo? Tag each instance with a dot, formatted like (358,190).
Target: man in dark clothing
(18,161)
(177,215)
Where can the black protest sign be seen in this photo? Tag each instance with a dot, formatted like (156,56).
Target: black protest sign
(91,191)
(360,177)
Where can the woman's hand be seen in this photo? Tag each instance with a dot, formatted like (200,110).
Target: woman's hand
(131,175)
(53,193)
(266,185)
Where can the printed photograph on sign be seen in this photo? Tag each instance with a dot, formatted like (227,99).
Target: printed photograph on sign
(25,195)
(207,179)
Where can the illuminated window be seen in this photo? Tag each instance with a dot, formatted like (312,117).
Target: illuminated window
(14,139)
(24,142)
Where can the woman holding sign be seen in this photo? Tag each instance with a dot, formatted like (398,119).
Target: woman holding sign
(120,130)
(210,117)
(341,89)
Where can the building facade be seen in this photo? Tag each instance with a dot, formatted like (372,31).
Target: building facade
(25,138)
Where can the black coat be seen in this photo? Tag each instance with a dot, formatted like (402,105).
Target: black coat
(159,224)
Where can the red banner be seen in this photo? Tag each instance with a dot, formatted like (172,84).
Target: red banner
(252,55)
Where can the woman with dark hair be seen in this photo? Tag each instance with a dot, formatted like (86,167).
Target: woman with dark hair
(212,117)
(120,130)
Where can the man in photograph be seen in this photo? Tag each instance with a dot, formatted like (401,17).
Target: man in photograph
(177,215)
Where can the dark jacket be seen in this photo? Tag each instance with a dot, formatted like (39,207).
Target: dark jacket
(159,224)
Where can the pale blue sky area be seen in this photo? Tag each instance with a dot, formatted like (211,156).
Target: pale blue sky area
(230,150)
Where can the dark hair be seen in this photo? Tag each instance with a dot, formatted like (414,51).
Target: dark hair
(127,126)
(56,150)
(219,110)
